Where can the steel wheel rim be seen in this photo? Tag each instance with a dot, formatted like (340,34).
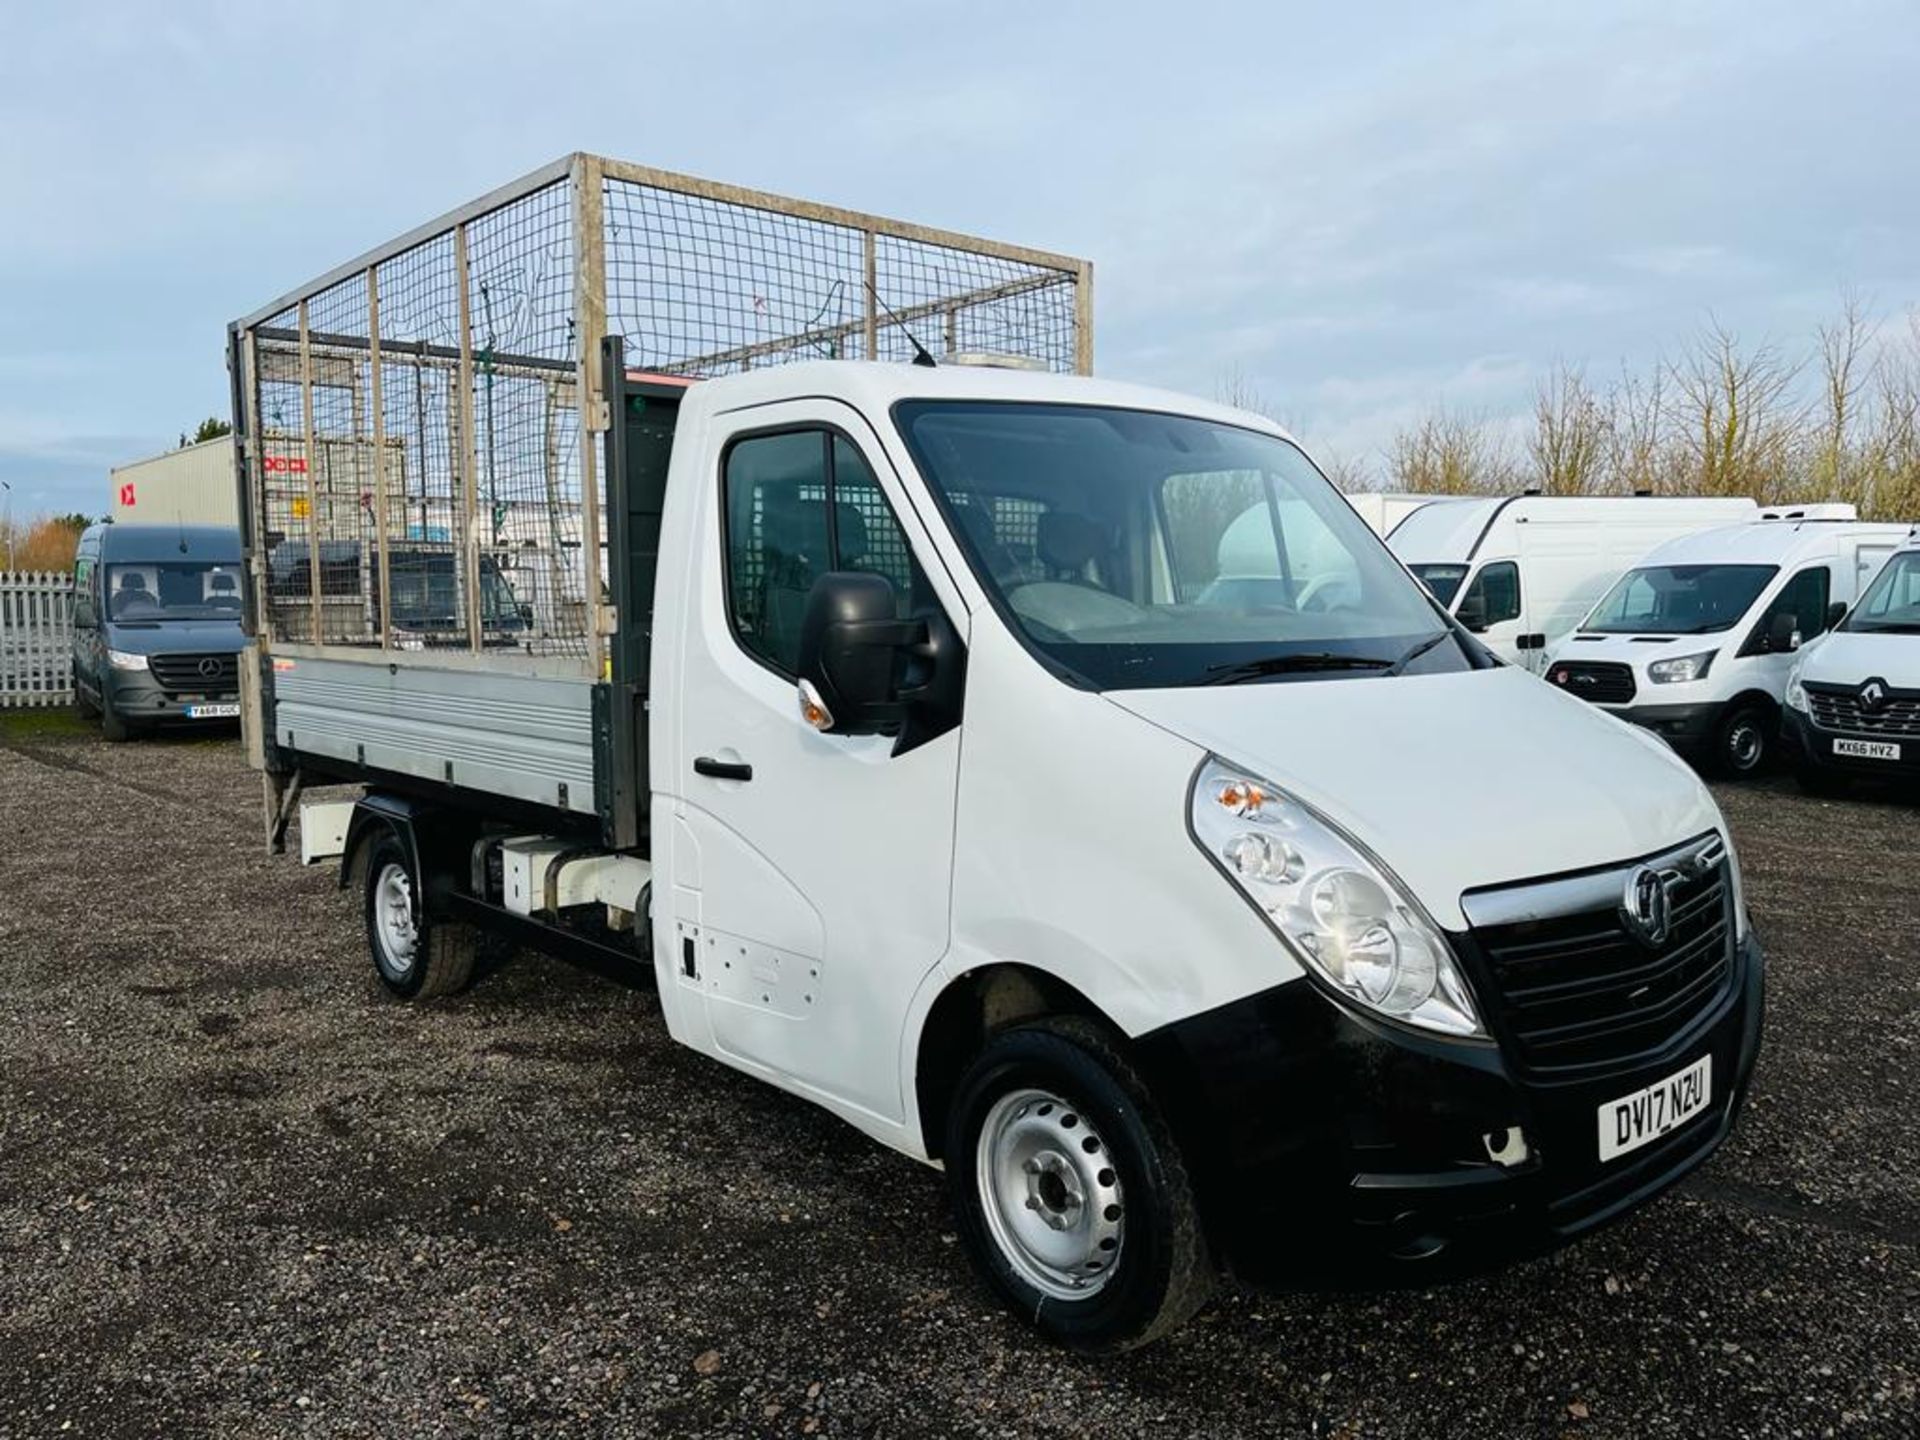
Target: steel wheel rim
(1050,1194)
(393,921)
(1746,745)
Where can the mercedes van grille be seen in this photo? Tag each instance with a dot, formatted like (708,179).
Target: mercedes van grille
(197,674)
(1599,681)
(1845,712)
(1580,985)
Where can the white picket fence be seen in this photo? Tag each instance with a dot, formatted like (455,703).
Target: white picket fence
(36,639)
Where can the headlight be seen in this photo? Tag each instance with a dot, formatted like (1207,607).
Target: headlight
(1333,906)
(1740,925)
(1796,692)
(123,660)
(1681,668)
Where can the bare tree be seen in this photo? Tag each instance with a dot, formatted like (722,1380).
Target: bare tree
(1568,446)
(1452,454)
(1640,459)
(1734,417)
(1836,467)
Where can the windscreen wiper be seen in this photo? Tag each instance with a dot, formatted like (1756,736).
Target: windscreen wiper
(1415,653)
(1234,671)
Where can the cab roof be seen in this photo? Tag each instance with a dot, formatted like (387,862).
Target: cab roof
(1769,542)
(875,386)
(157,544)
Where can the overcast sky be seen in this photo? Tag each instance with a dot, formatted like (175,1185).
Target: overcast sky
(1362,210)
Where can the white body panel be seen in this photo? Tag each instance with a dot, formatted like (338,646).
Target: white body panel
(1384,512)
(1851,553)
(807,919)
(1843,657)
(1568,551)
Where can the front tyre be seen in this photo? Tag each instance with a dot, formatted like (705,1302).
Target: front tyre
(415,956)
(1743,742)
(1070,1192)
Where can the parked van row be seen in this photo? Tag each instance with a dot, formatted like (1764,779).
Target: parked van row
(1696,642)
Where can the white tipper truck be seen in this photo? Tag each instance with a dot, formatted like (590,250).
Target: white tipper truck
(1056,779)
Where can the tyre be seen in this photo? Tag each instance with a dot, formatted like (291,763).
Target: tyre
(82,702)
(415,956)
(1070,1192)
(1743,743)
(113,726)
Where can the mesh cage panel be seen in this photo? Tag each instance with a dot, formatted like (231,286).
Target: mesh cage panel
(435,500)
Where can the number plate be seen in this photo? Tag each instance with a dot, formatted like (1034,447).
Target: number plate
(1867,749)
(1644,1116)
(213,712)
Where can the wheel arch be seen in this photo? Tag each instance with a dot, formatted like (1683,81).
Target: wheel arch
(970,1008)
(437,843)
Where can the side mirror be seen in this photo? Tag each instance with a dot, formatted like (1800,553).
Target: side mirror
(1473,613)
(1783,635)
(865,671)
(1836,612)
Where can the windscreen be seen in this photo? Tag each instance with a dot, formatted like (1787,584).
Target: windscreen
(1679,599)
(1442,580)
(1134,549)
(167,590)
(1892,602)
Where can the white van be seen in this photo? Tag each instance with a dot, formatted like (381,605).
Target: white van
(1384,512)
(1853,696)
(1696,641)
(1520,571)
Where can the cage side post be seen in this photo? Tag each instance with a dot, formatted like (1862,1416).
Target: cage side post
(383,520)
(313,477)
(468,455)
(1083,319)
(590,326)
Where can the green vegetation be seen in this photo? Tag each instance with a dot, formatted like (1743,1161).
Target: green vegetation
(29,725)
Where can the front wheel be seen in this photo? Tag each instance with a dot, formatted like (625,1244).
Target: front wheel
(416,957)
(113,726)
(1743,742)
(1070,1191)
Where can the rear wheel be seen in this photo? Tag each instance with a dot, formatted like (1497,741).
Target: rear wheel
(415,955)
(1070,1191)
(1744,742)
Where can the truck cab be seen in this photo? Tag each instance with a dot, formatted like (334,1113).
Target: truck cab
(156,626)
(1852,704)
(1696,642)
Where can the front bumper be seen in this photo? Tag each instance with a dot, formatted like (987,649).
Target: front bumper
(140,698)
(1333,1149)
(1685,727)
(1812,747)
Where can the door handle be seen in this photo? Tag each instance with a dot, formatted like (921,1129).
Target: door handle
(722,769)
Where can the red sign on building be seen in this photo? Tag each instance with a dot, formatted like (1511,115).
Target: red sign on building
(126,494)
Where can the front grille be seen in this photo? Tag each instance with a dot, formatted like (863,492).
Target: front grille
(1844,712)
(190,673)
(1600,681)
(1576,990)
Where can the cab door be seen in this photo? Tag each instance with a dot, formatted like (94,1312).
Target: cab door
(812,872)
(1492,607)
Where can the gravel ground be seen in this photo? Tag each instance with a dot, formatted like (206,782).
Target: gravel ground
(242,1195)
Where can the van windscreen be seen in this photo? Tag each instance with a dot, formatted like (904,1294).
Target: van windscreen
(1442,580)
(167,590)
(1679,599)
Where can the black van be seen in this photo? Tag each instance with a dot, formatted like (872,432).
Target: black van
(156,625)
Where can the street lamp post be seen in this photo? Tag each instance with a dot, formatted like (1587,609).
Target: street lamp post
(6,523)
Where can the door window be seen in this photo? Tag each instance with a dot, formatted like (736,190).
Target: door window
(83,592)
(1805,598)
(1498,587)
(799,504)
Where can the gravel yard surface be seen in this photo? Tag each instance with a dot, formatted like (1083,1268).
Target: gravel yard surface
(241,1194)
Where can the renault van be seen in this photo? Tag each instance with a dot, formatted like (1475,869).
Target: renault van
(156,626)
(1853,696)
(1696,641)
